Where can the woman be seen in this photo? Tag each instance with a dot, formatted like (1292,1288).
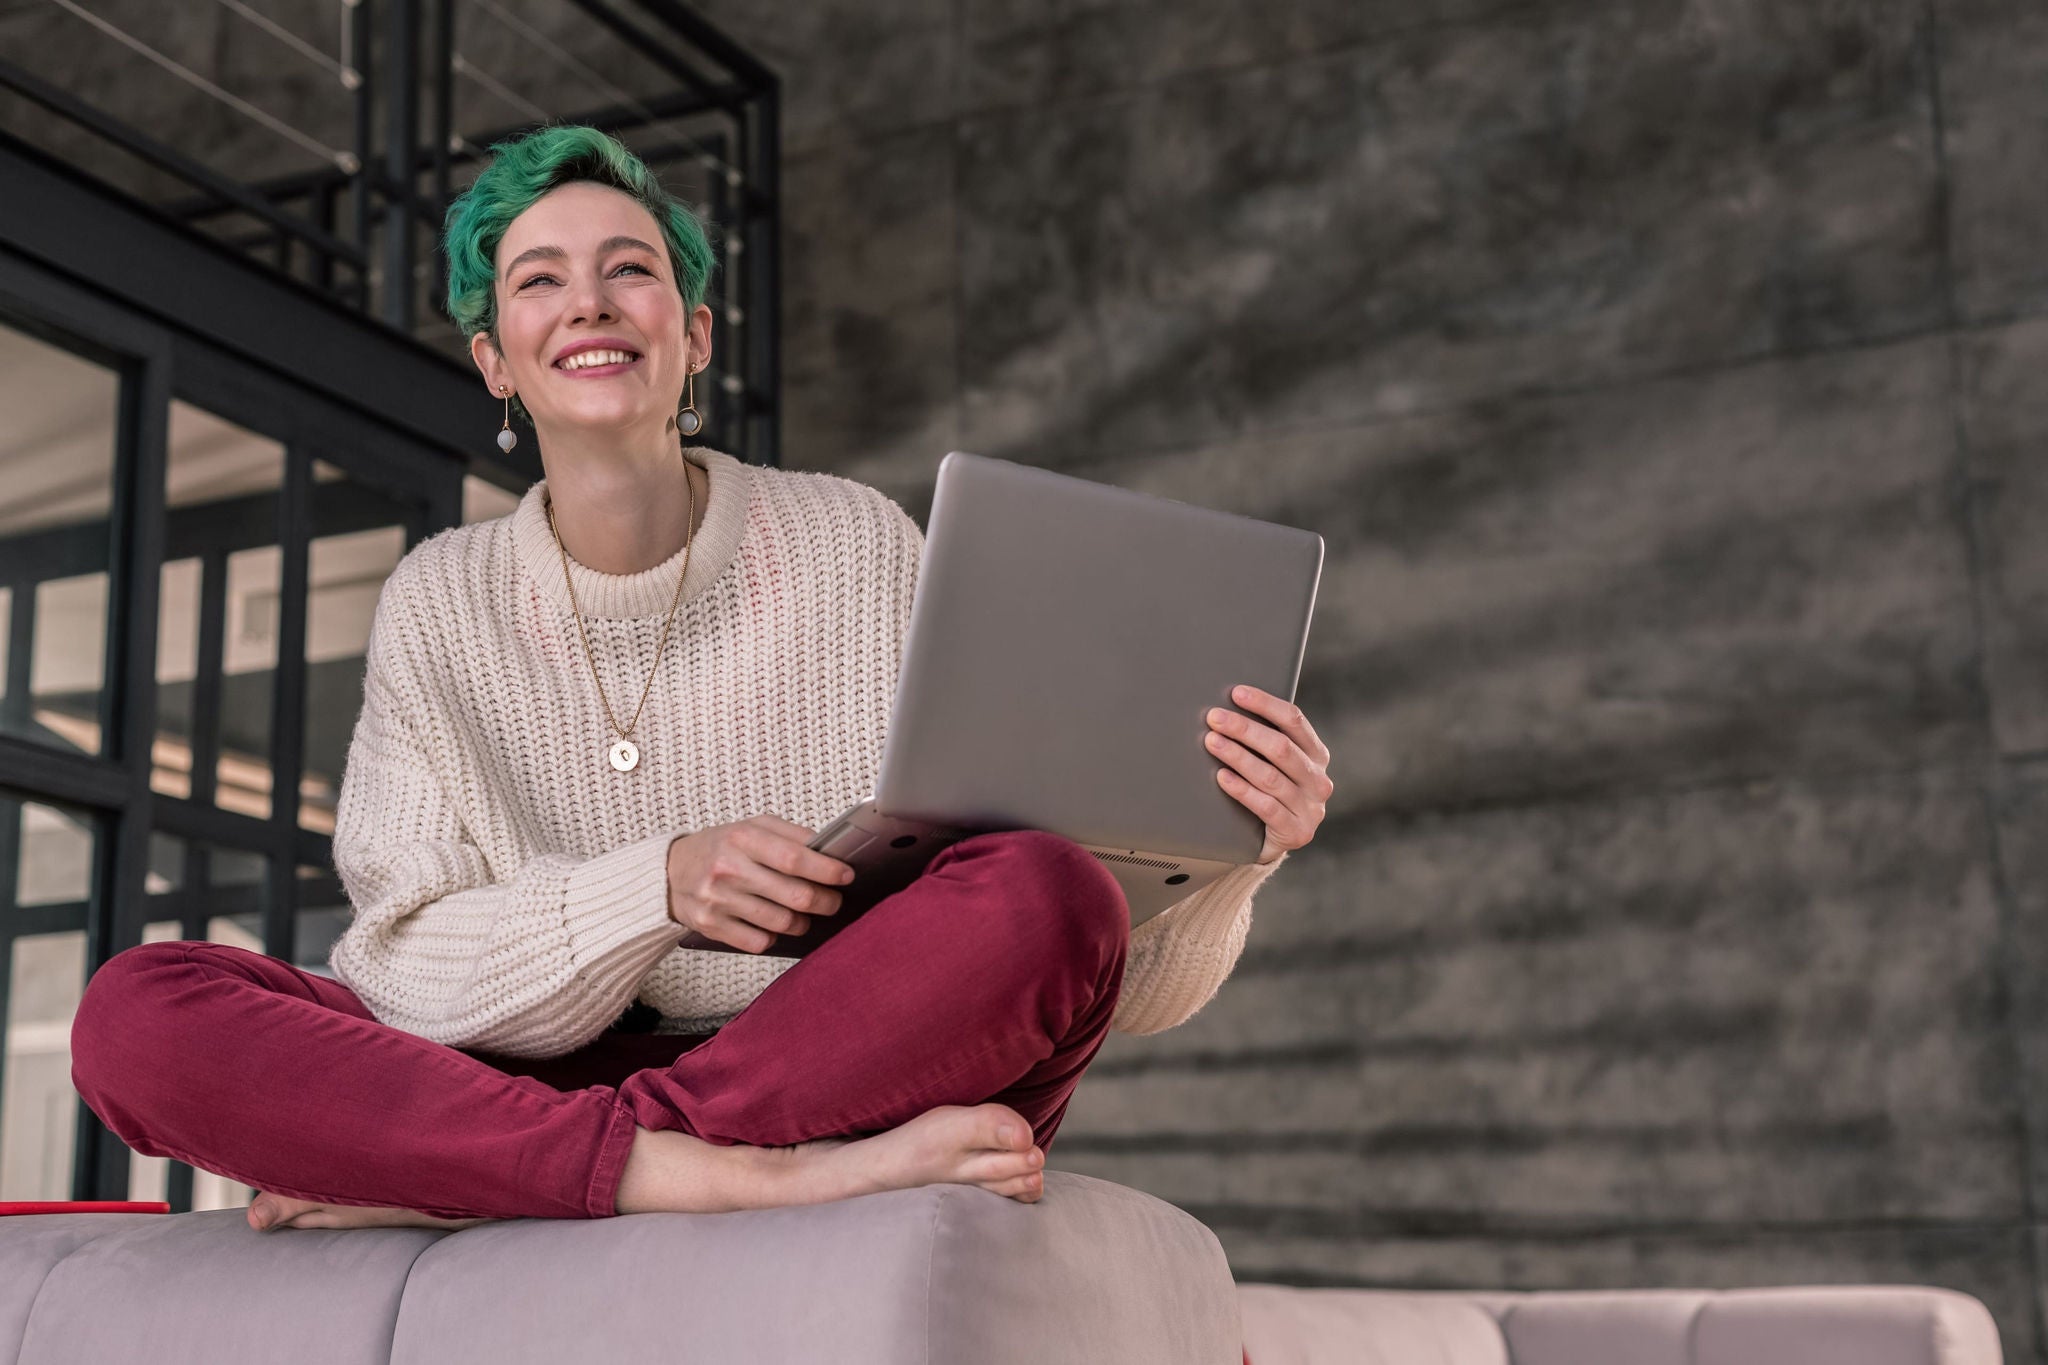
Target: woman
(598,723)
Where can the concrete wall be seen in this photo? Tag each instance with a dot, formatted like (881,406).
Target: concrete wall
(1666,380)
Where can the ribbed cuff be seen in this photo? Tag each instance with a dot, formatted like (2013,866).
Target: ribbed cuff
(1207,918)
(617,902)
(1180,957)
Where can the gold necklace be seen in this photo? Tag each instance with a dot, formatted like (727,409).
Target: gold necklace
(625,755)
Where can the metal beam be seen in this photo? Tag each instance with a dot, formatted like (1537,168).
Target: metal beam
(647,46)
(401,143)
(59,217)
(612,118)
(226,191)
(128,713)
(195,530)
(712,41)
(288,702)
(762,261)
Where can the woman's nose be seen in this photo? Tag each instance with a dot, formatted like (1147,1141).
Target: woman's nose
(588,297)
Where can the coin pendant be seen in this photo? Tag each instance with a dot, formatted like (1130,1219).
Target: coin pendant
(624,755)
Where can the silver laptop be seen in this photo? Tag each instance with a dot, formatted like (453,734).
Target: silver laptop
(1066,642)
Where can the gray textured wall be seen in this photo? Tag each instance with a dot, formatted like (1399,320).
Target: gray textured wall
(1666,379)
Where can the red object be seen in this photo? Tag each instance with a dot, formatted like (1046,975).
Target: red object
(84,1206)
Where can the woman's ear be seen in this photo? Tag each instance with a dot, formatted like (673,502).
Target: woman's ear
(483,349)
(699,329)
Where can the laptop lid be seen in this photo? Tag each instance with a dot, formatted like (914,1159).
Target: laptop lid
(1066,642)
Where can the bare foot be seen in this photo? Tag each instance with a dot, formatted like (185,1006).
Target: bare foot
(269,1212)
(951,1144)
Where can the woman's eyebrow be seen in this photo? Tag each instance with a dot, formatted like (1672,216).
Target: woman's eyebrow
(556,253)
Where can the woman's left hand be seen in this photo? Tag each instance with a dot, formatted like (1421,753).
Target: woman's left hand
(1280,773)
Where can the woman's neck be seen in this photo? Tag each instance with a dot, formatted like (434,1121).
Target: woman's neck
(621,517)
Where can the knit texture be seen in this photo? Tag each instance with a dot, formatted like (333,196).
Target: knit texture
(510,888)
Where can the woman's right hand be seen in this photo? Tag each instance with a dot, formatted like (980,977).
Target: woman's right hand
(746,882)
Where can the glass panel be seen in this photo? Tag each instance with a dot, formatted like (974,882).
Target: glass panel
(38,1114)
(359,537)
(57,465)
(202,891)
(66,670)
(323,915)
(234,867)
(235,894)
(166,864)
(46,977)
(222,557)
(237,889)
(177,664)
(248,682)
(57,848)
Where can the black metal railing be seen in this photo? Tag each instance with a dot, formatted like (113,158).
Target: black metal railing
(361,228)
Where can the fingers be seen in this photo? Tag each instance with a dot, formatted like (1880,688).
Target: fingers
(745,937)
(782,846)
(1231,733)
(1258,771)
(799,895)
(1288,717)
(1275,812)
(1279,772)
(768,915)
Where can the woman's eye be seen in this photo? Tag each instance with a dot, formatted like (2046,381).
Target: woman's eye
(629,265)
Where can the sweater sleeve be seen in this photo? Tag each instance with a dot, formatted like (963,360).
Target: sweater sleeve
(1180,957)
(535,966)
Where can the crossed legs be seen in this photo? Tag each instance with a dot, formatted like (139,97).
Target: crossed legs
(988,983)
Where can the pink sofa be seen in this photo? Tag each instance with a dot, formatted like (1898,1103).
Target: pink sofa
(1848,1325)
(943,1275)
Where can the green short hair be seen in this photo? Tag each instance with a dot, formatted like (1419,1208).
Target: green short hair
(519,173)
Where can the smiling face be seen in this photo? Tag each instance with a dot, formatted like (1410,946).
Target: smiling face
(584,269)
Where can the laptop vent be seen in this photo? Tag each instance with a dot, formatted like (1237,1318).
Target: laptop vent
(1136,862)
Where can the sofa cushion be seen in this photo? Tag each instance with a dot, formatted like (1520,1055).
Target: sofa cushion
(202,1287)
(1093,1271)
(1831,1325)
(1287,1326)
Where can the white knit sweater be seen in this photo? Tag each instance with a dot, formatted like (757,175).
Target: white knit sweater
(510,888)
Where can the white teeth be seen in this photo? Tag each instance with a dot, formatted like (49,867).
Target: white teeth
(584,359)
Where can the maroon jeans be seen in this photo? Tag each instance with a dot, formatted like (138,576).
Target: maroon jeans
(992,977)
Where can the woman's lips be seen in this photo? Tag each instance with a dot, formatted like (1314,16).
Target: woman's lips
(599,371)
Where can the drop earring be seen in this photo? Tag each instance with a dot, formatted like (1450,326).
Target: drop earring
(687,421)
(508,437)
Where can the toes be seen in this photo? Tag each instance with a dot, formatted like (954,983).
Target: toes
(999,1165)
(1027,1188)
(268,1212)
(1004,1127)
